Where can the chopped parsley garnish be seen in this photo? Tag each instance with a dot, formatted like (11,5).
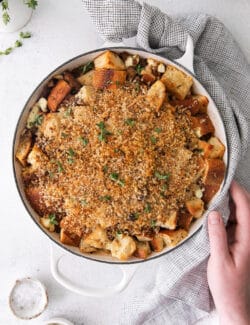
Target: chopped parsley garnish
(87,67)
(105,169)
(71,154)
(68,112)
(102,136)
(162,176)
(105,198)
(115,178)
(37,120)
(158,130)
(51,174)
(148,208)
(137,87)
(60,168)
(118,232)
(139,68)
(83,202)
(84,141)
(153,223)
(164,187)
(153,139)
(52,219)
(64,135)
(130,122)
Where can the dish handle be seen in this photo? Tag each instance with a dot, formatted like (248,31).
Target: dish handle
(84,290)
(187,60)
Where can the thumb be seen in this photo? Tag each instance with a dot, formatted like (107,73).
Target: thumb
(217,237)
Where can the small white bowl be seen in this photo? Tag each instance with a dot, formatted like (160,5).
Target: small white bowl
(58,321)
(28,298)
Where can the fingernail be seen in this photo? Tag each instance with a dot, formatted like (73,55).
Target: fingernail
(214,218)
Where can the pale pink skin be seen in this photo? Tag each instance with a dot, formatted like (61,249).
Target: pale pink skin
(228,268)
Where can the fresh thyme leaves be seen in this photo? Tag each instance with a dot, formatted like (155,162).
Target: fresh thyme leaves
(130,122)
(6,18)
(52,219)
(148,208)
(153,139)
(71,154)
(87,67)
(102,136)
(60,168)
(162,176)
(64,135)
(18,43)
(31,3)
(83,202)
(25,34)
(105,169)
(138,68)
(115,178)
(105,198)
(153,223)
(84,141)
(38,120)
(158,130)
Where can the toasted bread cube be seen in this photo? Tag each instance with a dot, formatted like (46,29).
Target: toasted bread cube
(50,126)
(98,238)
(85,248)
(213,177)
(110,79)
(195,104)
(68,239)
(87,95)
(173,237)
(24,147)
(205,147)
(156,94)
(202,125)
(218,149)
(123,247)
(170,221)
(177,82)
(195,207)
(184,220)
(57,94)
(109,60)
(142,249)
(147,75)
(157,243)
(35,157)
(86,79)
(36,200)
(144,237)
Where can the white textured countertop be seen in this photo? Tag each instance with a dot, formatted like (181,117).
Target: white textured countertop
(61,30)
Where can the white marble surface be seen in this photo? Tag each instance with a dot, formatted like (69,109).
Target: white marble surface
(61,30)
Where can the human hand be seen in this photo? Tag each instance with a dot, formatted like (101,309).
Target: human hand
(228,268)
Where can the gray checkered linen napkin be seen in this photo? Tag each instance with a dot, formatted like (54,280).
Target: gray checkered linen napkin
(180,293)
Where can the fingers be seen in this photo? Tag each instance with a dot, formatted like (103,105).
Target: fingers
(242,212)
(218,237)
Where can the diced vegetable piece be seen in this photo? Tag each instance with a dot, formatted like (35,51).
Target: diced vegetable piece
(142,249)
(86,95)
(170,221)
(202,125)
(110,79)
(218,148)
(43,103)
(144,237)
(69,239)
(205,147)
(184,220)
(156,94)
(195,207)
(57,94)
(98,238)
(46,223)
(213,177)
(195,104)
(35,157)
(86,79)
(157,243)
(173,237)
(109,60)
(177,82)
(73,83)
(34,113)
(123,247)
(24,147)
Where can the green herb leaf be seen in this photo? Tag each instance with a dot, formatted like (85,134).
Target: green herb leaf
(153,223)
(148,208)
(84,141)
(102,136)
(137,87)
(25,34)
(38,120)
(105,169)
(130,122)
(71,152)
(105,198)
(31,3)
(64,135)
(87,67)
(18,43)
(115,178)
(5,5)
(139,68)
(83,202)
(153,139)
(8,50)
(51,174)
(68,112)
(52,219)
(118,232)
(162,176)
(60,167)
(158,130)
(6,18)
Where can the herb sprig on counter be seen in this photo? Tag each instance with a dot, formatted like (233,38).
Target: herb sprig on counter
(18,43)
